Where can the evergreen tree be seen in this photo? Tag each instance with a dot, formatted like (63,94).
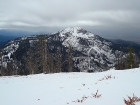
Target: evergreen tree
(58,61)
(31,62)
(3,70)
(10,69)
(1,63)
(50,63)
(43,53)
(130,58)
(70,61)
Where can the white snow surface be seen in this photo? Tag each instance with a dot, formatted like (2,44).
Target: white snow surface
(67,88)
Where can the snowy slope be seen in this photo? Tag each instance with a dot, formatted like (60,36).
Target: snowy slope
(67,88)
(96,52)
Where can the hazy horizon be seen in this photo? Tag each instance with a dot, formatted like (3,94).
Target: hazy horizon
(19,33)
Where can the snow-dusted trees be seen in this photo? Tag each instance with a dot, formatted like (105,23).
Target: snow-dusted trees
(35,59)
(38,59)
(39,56)
(50,62)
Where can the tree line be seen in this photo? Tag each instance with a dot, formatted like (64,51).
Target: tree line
(37,58)
(131,60)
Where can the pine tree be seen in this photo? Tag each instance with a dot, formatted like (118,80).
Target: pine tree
(31,62)
(130,58)
(58,61)
(1,63)
(51,63)
(70,61)
(43,53)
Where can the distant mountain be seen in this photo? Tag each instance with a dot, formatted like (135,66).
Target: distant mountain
(90,51)
(95,53)
(119,41)
(123,45)
(7,35)
(5,39)
(18,33)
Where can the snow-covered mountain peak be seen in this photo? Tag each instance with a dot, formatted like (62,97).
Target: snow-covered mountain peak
(71,29)
(76,32)
(92,48)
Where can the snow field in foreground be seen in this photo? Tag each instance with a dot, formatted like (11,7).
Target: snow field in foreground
(68,88)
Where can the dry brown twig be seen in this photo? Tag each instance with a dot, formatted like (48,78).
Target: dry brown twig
(96,95)
(131,100)
(81,100)
(107,77)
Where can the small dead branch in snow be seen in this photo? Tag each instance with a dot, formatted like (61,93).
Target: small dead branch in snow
(107,77)
(131,100)
(81,100)
(96,95)
(84,97)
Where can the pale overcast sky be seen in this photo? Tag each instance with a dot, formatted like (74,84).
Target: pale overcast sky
(104,17)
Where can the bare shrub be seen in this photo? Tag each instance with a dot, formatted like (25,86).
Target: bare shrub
(131,100)
(96,95)
(81,100)
(107,77)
